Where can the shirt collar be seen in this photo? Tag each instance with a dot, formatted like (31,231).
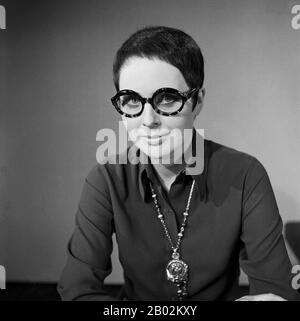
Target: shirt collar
(145,169)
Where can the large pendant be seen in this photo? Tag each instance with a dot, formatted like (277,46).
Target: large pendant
(177,270)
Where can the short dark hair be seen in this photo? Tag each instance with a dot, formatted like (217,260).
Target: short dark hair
(167,44)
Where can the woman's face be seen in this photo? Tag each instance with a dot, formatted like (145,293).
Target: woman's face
(145,76)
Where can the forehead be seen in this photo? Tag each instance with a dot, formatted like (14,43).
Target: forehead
(147,75)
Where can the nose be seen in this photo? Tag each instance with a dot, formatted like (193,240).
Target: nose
(149,117)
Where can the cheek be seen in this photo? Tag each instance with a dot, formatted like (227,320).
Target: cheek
(179,122)
(132,127)
(129,123)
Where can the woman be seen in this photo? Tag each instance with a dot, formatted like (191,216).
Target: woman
(182,233)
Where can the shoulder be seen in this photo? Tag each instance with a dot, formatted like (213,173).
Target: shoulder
(112,168)
(219,152)
(230,162)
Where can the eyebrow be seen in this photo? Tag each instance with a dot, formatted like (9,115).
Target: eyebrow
(181,91)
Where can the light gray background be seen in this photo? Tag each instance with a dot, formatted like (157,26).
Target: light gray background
(56,82)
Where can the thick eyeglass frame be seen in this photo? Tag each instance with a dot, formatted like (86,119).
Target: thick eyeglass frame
(184,96)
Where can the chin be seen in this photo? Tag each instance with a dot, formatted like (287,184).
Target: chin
(158,153)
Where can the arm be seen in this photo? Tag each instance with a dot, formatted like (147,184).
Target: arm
(90,246)
(263,255)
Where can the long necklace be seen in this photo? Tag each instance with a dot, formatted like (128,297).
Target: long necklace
(176,269)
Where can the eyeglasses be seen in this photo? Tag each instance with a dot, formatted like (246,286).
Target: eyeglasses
(165,101)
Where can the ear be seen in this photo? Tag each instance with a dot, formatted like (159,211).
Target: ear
(200,102)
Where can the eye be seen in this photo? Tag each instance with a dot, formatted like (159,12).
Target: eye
(167,98)
(129,100)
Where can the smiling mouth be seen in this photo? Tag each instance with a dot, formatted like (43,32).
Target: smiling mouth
(154,140)
(153,137)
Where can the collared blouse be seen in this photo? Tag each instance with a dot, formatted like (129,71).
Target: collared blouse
(234,222)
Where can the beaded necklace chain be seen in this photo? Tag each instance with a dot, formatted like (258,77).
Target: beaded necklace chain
(176,269)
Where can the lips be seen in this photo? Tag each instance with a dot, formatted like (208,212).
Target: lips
(156,136)
(151,137)
(154,140)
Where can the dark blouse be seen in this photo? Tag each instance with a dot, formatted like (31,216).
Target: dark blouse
(234,222)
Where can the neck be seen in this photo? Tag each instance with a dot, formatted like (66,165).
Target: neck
(167,172)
